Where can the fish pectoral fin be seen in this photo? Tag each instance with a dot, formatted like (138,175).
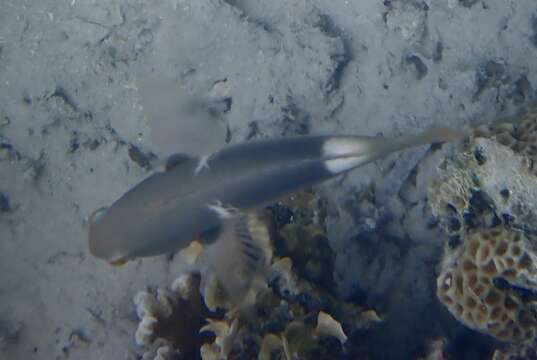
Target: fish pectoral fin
(177,159)
(240,254)
(118,262)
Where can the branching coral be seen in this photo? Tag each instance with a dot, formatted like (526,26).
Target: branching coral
(161,313)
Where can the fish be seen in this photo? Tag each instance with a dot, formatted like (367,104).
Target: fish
(210,198)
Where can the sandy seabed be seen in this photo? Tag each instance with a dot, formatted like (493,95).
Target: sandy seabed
(74,137)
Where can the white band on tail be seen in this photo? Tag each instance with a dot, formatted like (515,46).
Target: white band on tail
(345,146)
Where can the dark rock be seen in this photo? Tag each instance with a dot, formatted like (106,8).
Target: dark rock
(508,219)
(438,52)
(220,106)
(145,38)
(310,302)
(140,158)
(481,201)
(4,203)
(282,214)
(454,241)
(253,130)
(278,320)
(61,93)
(533,37)
(27,99)
(329,348)
(92,144)
(501,284)
(73,143)
(454,225)
(491,73)
(327,26)
(467,3)
(479,156)
(420,69)
(522,90)
(295,121)
(505,193)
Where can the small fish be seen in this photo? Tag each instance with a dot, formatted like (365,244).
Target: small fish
(208,198)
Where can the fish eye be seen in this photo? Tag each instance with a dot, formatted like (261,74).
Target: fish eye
(97,215)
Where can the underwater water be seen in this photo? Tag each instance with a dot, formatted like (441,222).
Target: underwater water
(425,253)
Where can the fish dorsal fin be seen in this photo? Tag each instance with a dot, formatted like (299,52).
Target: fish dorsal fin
(240,254)
(177,159)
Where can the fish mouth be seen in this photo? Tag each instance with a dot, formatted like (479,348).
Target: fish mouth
(97,215)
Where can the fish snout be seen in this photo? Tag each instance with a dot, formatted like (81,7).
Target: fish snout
(99,244)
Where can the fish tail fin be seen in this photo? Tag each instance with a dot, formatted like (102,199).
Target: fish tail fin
(345,153)
(434,135)
(240,255)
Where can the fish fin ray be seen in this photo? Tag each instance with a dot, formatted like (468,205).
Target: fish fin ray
(239,255)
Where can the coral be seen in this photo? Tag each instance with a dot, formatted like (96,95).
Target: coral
(517,352)
(225,332)
(300,236)
(484,283)
(483,194)
(162,352)
(490,178)
(160,314)
(271,343)
(300,339)
(291,315)
(518,133)
(327,325)
(435,350)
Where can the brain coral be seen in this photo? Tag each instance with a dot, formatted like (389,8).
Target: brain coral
(486,283)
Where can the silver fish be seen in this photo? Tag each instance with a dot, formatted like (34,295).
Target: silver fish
(199,196)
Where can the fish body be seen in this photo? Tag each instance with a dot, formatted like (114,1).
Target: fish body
(196,196)
(169,209)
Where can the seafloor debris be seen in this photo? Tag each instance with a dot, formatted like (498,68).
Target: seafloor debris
(292,315)
(489,281)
